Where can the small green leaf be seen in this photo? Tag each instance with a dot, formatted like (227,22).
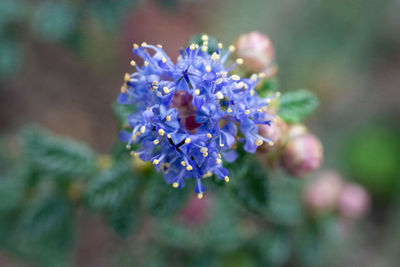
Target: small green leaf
(46,217)
(295,106)
(122,219)
(268,87)
(111,188)
(162,200)
(56,156)
(250,184)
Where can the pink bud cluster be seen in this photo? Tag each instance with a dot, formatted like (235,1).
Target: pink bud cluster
(329,192)
(298,151)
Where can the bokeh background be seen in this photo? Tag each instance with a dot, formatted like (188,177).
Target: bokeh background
(62,63)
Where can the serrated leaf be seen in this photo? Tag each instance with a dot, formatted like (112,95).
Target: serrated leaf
(162,200)
(122,219)
(250,184)
(111,188)
(57,156)
(46,217)
(295,106)
(268,87)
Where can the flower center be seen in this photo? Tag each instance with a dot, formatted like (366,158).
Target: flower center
(182,101)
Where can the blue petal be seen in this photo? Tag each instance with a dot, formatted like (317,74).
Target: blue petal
(125,136)
(199,188)
(230,156)
(124,98)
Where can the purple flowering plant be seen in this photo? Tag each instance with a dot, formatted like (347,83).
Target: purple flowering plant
(190,114)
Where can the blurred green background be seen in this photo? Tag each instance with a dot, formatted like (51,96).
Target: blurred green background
(62,62)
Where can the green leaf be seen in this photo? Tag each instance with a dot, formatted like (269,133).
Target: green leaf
(54,20)
(162,200)
(56,156)
(212,42)
(122,219)
(295,106)
(250,184)
(111,188)
(47,217)
(268,87)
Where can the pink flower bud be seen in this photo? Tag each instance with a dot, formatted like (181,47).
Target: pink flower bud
(297,130)
(354,201)
(256,50)
(197,211)
(277,133)
(322,193)
(302,155)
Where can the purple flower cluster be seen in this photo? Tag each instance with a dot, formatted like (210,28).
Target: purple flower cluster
(189,114)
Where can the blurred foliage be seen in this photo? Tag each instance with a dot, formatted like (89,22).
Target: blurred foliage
(268,87)
(372,158)
(53,21)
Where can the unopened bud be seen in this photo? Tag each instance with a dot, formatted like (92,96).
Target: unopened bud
(322,193)
(276,132)
(302,155)
(256,50)
(297,130)
(354,201)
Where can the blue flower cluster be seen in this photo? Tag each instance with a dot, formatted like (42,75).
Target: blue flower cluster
(188,114)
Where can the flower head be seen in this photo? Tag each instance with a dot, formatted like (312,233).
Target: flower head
(188,113)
